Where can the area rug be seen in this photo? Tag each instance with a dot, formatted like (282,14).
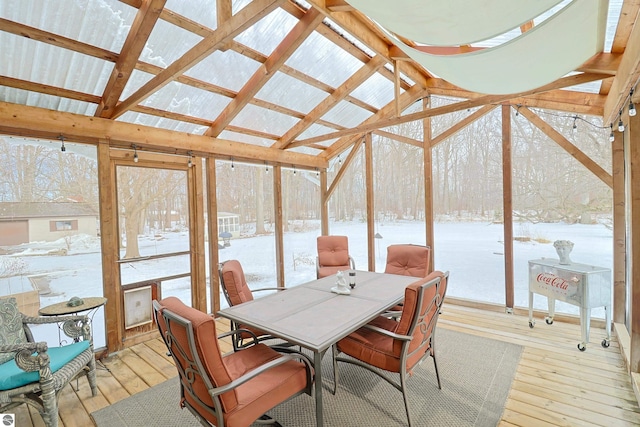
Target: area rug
(476,375)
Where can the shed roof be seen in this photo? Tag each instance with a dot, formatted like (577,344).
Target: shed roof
(26,210)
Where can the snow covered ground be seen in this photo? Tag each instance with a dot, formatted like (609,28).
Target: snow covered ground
(473,252)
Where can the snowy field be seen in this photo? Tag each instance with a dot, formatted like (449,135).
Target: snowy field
(473,252)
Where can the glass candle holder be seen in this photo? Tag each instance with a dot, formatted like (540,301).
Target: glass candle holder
(352,279)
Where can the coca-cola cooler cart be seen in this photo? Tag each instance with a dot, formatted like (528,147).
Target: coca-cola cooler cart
(586,286)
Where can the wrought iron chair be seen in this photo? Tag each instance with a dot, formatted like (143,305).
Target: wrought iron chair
(33,373)
(235,389)
(398,346)
(236,291)
(333,255)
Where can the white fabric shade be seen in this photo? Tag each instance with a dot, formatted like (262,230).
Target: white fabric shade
(549,51)
(451,22)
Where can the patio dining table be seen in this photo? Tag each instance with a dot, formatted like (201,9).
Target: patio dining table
(312,316)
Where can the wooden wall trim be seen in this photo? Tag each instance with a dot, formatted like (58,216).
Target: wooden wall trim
(368,154)
(427,153)
(634,252)
(279,224)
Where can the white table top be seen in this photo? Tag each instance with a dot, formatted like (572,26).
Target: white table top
(312,316)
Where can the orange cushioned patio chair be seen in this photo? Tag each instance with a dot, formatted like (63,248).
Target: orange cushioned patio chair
(236,291)
(231,390)
(333,256)
(408,260)
(398,346)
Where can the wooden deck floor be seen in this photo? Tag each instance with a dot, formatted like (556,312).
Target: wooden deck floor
(555,384)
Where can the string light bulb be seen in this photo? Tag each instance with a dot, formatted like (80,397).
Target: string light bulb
(575,125)
(620,124)
(266,167)
(62,147)
(135,153)
(190,162)
(632,108)
(612,137)
(233,168)
(317,173)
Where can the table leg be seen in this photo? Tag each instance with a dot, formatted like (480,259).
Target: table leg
(317,362)
(531,323)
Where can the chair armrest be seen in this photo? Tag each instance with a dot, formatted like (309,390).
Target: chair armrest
(388,333)
(352,263)
(251,374)
(238,331)
(73,326)
(25,359)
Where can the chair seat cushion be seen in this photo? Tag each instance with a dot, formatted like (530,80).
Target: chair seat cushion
(260,394)
(373,348)
(11,376)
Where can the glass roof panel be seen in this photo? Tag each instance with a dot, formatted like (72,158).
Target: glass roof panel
(201,11)
(50,102)
(323,60)
(316,130)
(228,69)
(161,122)
(136,81)
(267,33)
(183,99)
(167,43)
(249,139)
(263,120)
(376,90)
(347,114)
(51,65)
(102,23)
(297,96)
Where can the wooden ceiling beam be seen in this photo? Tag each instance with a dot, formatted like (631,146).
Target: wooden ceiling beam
(626,77)
(56,40)
(48,90)
(406,99)
(246,17)
(399,138)
(470,103)
(136,40)
(563,142)
(267,70)
(39,122)
(338,6)
(332,100)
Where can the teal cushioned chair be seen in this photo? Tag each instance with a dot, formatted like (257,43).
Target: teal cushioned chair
(32,373)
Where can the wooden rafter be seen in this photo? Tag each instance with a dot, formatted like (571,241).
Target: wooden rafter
(32,121)
(563,142)
(246,17)
(136,40)
(343,169)
(280,55)
(471,103)
(48,90)
(627,76)
(329,102)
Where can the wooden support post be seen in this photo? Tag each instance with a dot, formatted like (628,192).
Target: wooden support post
(619,314)
(428,184)
(196,235)
(507,207)
(634,253)
(368,154)
(109,243)
(212,215)
(324,204)
(277,205)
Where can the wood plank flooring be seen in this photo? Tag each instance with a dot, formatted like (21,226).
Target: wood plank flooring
(555,384)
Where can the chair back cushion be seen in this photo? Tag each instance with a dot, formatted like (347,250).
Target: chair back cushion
(408,260)
(11,329)
(11,376)
(419,316)
(233,280)
(333,254)
(206,345)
